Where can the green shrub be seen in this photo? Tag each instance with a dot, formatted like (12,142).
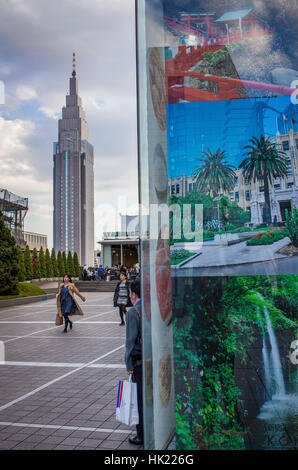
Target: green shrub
(178,254)
(268,238)
(9,261)
(28,264)
(35,264)
(292,225)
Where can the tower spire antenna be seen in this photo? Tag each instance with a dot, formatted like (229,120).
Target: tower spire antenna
(74,64)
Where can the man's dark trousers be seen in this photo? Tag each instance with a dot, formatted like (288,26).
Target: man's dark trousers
(137,377)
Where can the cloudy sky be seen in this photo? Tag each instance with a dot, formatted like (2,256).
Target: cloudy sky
(37,39)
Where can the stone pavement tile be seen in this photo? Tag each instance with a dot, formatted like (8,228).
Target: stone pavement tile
(59,421)
(127,446)
(72,441)
(84,448)
(43,446)
(26,430)
(63,447)
(110,424)
(99,435)
(91,443)
(46,431)
(24,446)
(63,432)
(107,444)
(118,436)
(7,445)
(53,440)
(34,438)
(5,435)
(80,433)
(19,437)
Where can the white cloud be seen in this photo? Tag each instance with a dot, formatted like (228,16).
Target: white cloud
(13,138)
(25,93)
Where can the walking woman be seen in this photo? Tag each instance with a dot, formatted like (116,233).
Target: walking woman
(121,296)
(66,302)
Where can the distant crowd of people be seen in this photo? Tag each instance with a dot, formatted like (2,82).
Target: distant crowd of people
(105,274)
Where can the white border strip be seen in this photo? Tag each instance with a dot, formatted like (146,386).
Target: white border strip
(23,397)
(74,428)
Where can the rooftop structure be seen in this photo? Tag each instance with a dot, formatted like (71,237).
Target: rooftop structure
(14,209)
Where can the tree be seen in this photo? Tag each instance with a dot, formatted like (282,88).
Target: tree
(42,263)
(69,264)
(264,161)
(54,263)
(35,264)
(28,264)
(214,174)
(61,268)
(64,261)
(9,258)
(21,265)
(49,266)
(76,265)
(292,225)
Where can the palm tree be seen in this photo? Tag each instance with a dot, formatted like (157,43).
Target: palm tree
(264,161)
(214,174)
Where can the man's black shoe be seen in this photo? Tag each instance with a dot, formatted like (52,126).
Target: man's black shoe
(136,440)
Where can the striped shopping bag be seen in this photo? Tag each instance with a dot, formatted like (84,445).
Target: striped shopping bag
(127,403)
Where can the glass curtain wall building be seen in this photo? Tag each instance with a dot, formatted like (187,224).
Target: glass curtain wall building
(217,124)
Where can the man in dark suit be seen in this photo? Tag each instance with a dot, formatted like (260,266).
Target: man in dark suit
(133,353)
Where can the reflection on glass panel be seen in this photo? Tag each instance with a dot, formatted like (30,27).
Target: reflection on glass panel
(219,98)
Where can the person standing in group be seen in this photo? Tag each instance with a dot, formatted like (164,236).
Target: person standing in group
(101,272)
(85,272)
(66,302)
(121,296)
(133,353)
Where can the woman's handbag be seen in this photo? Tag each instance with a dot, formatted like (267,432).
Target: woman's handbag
(59,320)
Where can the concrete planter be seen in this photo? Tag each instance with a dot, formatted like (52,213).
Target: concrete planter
(25,300)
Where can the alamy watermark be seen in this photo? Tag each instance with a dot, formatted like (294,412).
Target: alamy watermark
(157,221)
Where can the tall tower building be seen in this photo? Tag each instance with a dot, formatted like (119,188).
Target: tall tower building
(74,180)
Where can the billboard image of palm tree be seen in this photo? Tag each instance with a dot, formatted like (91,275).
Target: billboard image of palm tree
(214,174)
(264,161)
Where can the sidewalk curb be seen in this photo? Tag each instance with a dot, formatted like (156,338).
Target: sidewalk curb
(25,300)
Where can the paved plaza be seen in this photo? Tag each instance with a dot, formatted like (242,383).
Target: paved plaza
(59,391)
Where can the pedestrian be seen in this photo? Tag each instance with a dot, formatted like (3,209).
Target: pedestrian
(121,296)
(107,274)
(101,272)
(66,302)
(133,354)
(85,272)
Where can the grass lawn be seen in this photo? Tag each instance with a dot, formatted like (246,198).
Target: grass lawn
(26,289)
(177,261)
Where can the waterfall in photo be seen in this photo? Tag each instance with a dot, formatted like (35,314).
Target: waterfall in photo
(265,354)
(276,375)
